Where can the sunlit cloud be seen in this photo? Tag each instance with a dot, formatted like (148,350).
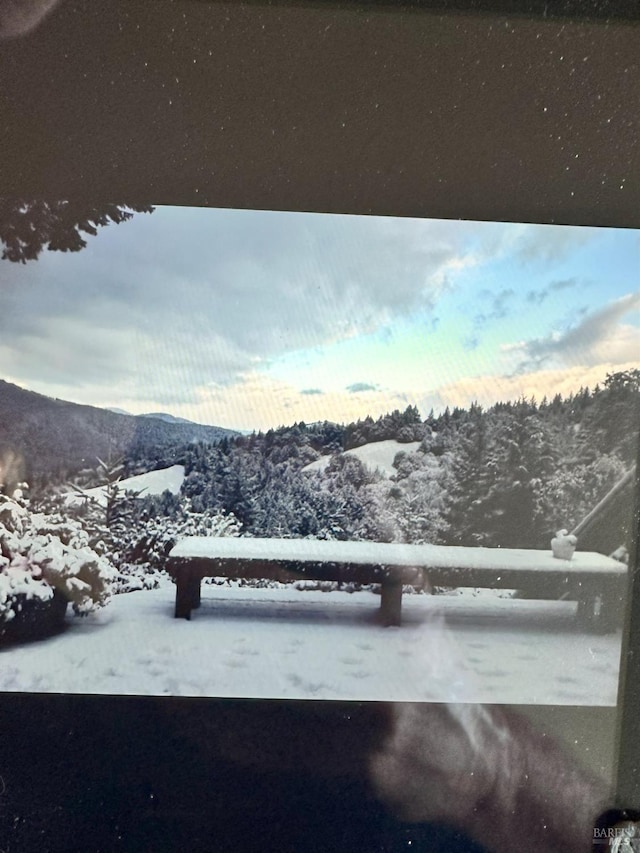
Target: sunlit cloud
(261,402)
(487,390)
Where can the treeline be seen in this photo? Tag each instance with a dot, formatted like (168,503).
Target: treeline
(506,476)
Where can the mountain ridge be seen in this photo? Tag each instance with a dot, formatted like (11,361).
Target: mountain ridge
(56,438)
(168,418)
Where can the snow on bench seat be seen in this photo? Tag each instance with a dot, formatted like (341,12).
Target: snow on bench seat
(592,579)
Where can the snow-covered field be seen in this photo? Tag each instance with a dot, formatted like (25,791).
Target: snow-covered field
(292,644)
(152,483)
(378,455)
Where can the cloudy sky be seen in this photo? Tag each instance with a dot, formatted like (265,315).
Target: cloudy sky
(253,319)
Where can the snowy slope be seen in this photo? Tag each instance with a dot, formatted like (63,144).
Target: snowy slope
(286,643)
(152,483)
(376,455)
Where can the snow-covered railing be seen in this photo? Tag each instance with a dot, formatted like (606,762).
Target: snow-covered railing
(596,582)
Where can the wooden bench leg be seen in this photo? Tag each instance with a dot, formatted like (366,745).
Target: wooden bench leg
(391,604)
(184,596)
(195,592)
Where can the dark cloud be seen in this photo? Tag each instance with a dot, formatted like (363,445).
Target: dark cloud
(537,297)
(359,387)
(580,342)
(188,297)
(496,306)
(564,284)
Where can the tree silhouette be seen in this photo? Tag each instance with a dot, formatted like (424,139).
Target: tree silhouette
(29,226)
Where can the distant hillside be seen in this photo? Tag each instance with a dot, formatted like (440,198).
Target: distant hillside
(57,438)
(377,456)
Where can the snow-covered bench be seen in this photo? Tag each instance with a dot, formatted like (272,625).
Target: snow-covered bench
(596,582)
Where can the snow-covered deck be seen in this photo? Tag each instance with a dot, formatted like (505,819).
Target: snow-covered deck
(285,643)
(588,577)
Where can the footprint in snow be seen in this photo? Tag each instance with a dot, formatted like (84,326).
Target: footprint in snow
(246,651)
(599,667)
(566,679)
(312,687)
(234,663)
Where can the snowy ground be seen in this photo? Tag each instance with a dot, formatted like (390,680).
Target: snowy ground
(377,456)
(285,643)
(151,483)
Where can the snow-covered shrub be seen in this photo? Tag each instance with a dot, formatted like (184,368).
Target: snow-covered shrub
(76,570)
(142,547)
(17,583)
(135,533)
(40,553)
